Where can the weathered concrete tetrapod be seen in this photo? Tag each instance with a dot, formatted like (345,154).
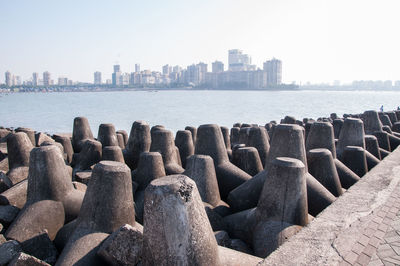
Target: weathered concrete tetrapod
(89,155)
(282,204)
(192,130)
(124,134)
(19,147)
(184,142)
(200,168)
(107,135)
(176,227)
(112,153)
(371,145)
(67,144)
(29,132)
(210,142)
(337,126)
(139,141)
(385,119)
(121,141)
(259,139)
(235,136)
(108,204)
(371,121)
(351,134)
(321,135)
(346,175)
(150,167)
(248,160)
(287,141)
(227,140)
(81,132)
(322,167)
(163,142)
(354,157)
(383,140)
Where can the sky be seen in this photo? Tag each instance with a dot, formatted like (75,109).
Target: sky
(317,40)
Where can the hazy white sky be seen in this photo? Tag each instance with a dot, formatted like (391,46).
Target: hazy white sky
(317,40)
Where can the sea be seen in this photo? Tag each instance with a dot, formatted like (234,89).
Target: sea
(54,112)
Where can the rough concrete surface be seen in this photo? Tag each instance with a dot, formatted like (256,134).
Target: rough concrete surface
(333,235)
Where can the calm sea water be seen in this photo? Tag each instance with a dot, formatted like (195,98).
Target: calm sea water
(54,112)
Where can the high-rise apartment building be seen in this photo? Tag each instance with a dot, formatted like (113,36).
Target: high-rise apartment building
(8,80)
(117,68)
(46,78)
(274,71)
(97,78)
(238,61)
(217,67)
(166,70)
(35,79)
(62,81)
(137,68)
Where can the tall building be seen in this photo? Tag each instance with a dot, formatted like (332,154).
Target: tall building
(274,71)
(35,79)
(46,78)
(8,76)
(217,67)
(97,78)
(62,81)
(166,69)
(117,68)
(238,61)
(137,68)
(117,76)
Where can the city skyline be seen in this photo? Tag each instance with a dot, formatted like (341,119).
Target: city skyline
(319,40)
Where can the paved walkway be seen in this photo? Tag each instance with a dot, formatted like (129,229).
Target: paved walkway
(379,243)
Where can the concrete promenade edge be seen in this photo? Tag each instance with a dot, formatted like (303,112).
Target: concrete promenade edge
(361,227)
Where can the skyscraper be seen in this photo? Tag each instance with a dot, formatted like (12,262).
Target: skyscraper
(274,71)
(137,68)
(117,68)
(167,69)
(35,79)
(116,76)
(46,78)
(8,79)
(238,61)
(217,67)
(97,78)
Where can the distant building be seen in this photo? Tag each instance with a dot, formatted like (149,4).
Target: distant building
(117,68)
(274,72)
(97,78)
(117,76)
(8,80)
(17,80)
(46,78)
(35,79)
(166,69)
(217,67)
(137,68)
(62,81)
(176,69)
(238,61)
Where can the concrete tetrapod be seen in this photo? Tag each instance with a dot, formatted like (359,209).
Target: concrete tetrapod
(139,141)
(192,130)
(150,167)
(247,159)
(125,136)
(29,132)
(210,142)
(234,136)
(371,145)
(258,138)
(89,155)
(351,134)
(108,204)
(371,121)
(346,175)
(227,140)
(67,144)
(184,142)
(19,147)
(49,179)
(107,135)
(121,141)
(282,204)
(354,157)
(200,168)
(176,227)
(163,142)
(322,167)
(383,140)
(80,133)
(321,135)
(112,153)
(287,141)
(337,127)
(385,120)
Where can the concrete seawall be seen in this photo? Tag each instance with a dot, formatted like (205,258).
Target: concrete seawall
(330,238)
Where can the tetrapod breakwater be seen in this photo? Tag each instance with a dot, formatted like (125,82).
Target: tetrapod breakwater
(209,195)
